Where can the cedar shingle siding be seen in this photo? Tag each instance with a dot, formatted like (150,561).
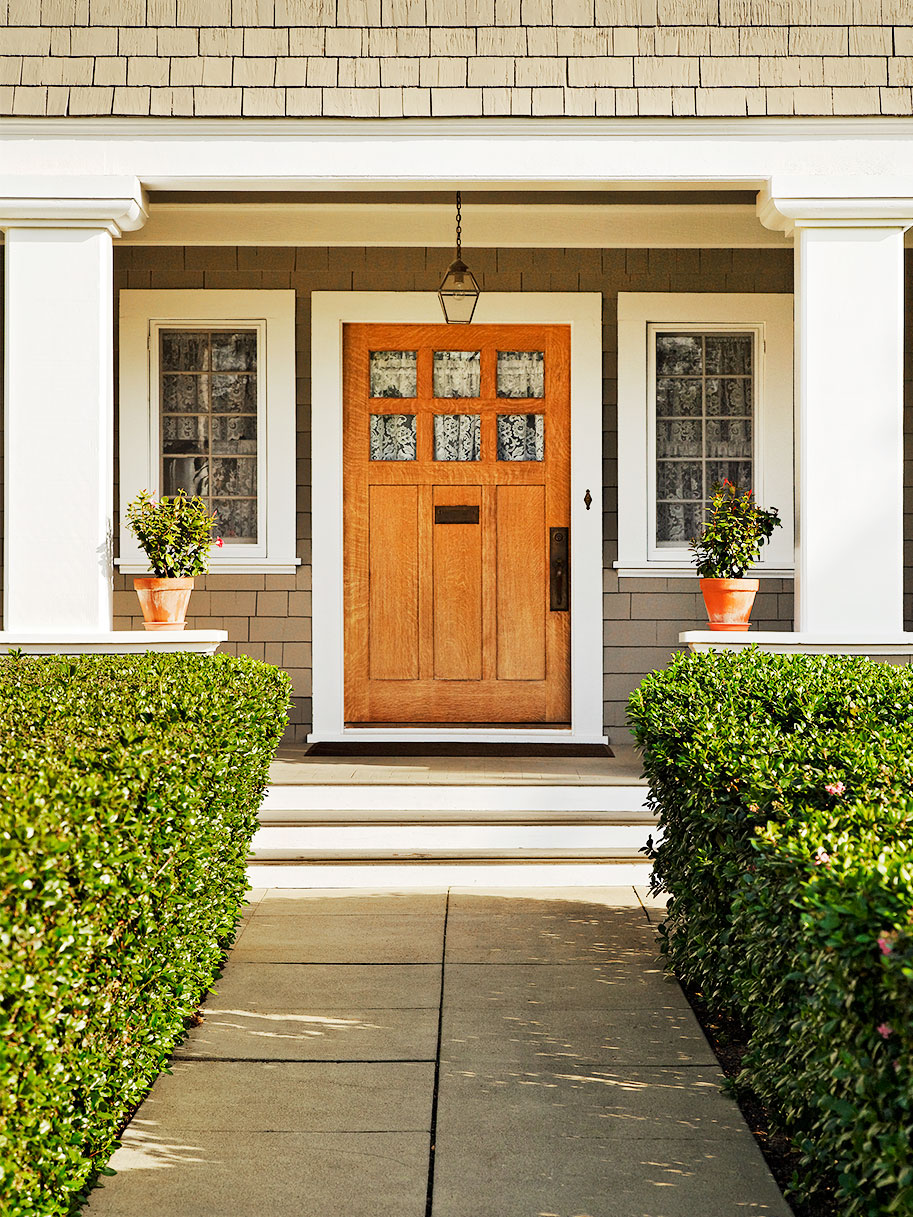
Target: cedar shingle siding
(455,58)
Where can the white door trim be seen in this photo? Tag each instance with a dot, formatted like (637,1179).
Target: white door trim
(582,311)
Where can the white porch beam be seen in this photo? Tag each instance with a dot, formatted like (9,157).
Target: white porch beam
(59,400)
(405,154)
(849,404)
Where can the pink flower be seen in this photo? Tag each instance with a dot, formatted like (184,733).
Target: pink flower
(835,788)
(218,543)
(885,944)
(822,857)
(885,1030)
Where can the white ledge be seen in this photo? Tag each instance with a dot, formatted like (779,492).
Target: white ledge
(785,642)
(113,642)
(656,570)
(252,566)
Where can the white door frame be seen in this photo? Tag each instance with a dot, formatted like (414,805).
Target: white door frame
(582,311)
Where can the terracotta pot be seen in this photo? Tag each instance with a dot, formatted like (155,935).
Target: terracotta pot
(729,602)
(164,602)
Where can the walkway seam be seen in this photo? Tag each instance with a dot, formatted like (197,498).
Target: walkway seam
(429,1200)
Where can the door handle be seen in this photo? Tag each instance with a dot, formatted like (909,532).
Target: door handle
(559,583)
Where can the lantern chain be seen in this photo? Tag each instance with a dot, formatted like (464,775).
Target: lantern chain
(459,229)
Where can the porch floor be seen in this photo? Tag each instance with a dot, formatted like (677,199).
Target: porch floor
(450,1053)
(292,767)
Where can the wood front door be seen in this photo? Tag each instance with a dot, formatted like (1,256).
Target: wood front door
(456,501)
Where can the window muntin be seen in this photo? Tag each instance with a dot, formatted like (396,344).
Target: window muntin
(703,423)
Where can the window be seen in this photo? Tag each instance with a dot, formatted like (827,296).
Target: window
(207,405)
(704,393)
(703,411)
(209,410)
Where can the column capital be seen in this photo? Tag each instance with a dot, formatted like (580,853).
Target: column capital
(115,204)
(787,203)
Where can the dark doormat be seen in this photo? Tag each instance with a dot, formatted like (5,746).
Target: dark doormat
(358,748)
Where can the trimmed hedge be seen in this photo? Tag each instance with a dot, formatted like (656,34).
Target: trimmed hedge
(129,790)
(783,791)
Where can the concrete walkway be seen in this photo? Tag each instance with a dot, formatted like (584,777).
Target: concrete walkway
(445,1054)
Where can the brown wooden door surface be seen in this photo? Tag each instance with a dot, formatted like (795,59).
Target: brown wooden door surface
(456,465)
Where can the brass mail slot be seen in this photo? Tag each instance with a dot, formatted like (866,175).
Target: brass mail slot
(456,515)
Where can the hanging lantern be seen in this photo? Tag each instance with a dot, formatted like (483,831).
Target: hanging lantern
(459,291)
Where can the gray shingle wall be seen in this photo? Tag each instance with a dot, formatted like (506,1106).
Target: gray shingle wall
(444,58)
(268,616)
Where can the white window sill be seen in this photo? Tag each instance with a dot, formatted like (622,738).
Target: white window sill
(656,570)
(232,566)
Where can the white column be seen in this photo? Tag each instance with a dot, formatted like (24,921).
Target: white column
(849,430)
(849,410)
(59,405)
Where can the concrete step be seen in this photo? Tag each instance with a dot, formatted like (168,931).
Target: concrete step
(283,802)
(418,842)
(403,876)
(431,823)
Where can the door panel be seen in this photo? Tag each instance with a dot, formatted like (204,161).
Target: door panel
(520,571)
(457,588)
(456,465)
(393,582)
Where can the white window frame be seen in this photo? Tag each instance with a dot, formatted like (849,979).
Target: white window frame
(641,315)
(143,314)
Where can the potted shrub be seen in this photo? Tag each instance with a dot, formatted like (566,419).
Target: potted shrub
(730,542)
(175,534)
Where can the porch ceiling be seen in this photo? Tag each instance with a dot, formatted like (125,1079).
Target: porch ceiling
(490,220)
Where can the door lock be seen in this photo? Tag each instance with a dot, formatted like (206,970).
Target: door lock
(559,571)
